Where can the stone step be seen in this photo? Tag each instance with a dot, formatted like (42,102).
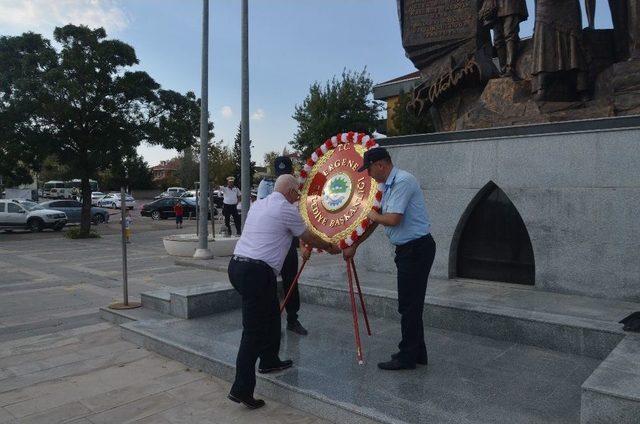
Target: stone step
(469,379)
(123,316)
(564,333)
(158,300)
(613,390)
(530,317)
(193,302)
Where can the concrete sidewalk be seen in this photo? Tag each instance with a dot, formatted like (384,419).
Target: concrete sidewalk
(60,363)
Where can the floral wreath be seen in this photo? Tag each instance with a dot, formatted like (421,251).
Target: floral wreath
(368,142)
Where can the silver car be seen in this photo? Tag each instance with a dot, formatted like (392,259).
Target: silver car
(73,210)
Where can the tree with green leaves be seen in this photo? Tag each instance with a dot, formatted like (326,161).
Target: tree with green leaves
(269,161)
(24,61)
(82,101)
(406,121)
(341,105)
(188,168)
(139,176)
(221,163)
(237,157)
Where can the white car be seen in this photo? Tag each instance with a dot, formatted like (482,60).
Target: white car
(175,191)
(189,194)
(112,200)
(171,192)
(95,196)
(24,214)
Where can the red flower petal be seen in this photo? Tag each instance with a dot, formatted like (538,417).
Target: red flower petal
(350,136)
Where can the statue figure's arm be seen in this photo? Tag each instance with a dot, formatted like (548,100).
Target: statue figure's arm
(590,8)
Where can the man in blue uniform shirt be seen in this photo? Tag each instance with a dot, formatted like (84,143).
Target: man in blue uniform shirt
(406,222)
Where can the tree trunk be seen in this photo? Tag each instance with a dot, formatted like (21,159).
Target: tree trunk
(85,217)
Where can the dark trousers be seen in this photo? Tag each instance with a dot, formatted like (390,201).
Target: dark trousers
(413,260)
(260,321)
(228,211)
(289,271)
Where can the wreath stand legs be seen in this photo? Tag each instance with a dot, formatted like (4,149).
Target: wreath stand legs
(352,275)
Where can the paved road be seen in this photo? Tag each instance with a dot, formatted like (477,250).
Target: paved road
(60,363)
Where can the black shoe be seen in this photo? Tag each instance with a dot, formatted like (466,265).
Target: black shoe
(297,328)
(282,365)
(248,401)
(396,364)
(421,359)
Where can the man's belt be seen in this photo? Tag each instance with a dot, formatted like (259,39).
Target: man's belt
(250,260)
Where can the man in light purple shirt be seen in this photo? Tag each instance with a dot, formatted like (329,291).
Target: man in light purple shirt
(271,224)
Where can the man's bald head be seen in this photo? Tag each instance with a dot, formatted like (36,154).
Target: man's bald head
(287,184)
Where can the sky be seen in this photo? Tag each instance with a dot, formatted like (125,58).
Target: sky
(292,44)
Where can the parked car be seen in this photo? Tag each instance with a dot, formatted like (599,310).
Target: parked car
(217,196)
(163,208)
(95,196)
(112,200)
(189,194)
(171,192)
(73,210)
(24,214)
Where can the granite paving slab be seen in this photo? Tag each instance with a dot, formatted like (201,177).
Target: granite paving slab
(469,379)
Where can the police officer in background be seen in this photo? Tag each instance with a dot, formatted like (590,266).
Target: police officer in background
(231,197)
(283,165)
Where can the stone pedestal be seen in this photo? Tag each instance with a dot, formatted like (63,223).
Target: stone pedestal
(620,83)
(505,102)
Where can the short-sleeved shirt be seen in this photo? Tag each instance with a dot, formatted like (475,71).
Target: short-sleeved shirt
(230,195)
(271,224)
(265,187)
(402,194)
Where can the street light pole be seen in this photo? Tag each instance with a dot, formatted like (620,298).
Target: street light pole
(244,140)
(203,252)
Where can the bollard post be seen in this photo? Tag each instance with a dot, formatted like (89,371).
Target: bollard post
(125,281)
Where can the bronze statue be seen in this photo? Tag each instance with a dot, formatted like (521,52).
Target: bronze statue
(633,21)
(557,47)
(506,30)
(625,15)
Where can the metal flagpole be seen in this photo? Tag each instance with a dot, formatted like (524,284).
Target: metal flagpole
(245,179)
(203,252)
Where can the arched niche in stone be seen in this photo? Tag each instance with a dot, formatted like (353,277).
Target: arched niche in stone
(491,241)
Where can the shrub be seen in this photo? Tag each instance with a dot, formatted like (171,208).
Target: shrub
(74,233)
